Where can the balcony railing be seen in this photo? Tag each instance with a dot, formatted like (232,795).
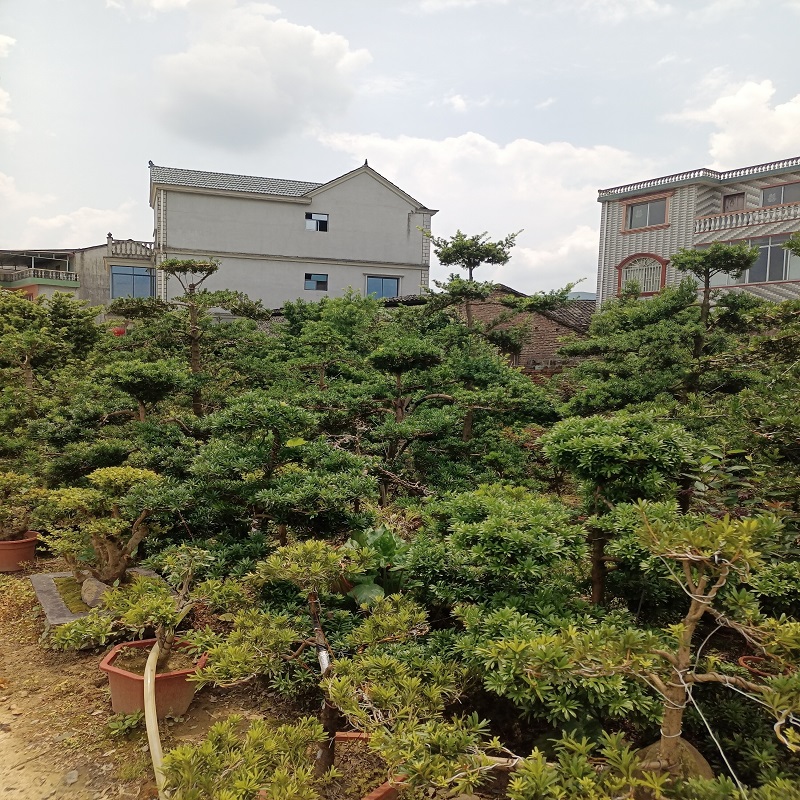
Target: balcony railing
(750,216)
(10,276)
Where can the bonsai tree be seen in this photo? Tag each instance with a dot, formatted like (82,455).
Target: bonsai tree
(622,458)
(532,664)
(18,493)
(152,604)
(98,530)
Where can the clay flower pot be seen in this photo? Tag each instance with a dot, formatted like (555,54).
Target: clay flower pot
(174,692)
(15,552)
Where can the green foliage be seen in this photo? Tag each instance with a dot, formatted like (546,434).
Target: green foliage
(498,544)
(228,765)
(469,252)
(18,496)
(620,458)
(124,724)
(716,259)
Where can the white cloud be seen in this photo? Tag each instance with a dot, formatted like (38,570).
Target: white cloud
(80,228)
(246,78)
(750,127)
(446,5)
(6,43)
(547,189)
(460,103)
(153,5)
(12,197)
(615,11)
(7,122)
(545,104)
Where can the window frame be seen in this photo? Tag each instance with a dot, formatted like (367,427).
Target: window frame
(728,197)
(395,278)
(628,260)
(763,243)
(783,201)
(627,204)
(153,291)
(316,278)
(317,222)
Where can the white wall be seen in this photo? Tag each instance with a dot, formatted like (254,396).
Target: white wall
(276,281)
(367,222)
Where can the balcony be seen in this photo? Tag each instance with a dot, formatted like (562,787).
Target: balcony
(36,275)
(747,217)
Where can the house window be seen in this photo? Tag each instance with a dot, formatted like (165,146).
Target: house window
(645,215)
(733,202)
(774,263)
(133,282)
(778,195)
(383,287)
(316,282)
(316,222)
(645,272)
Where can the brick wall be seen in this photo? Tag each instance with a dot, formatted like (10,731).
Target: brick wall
(542,340)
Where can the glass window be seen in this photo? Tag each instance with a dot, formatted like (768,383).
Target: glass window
(316,222)
(758,272)
(383,287)
(732,202)
(791,193)
(776,258)
(793,269)
(643,215)
(772,196)
(316,282)
(133,282)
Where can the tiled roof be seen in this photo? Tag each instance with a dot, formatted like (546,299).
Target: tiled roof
(172,176)
(577,315)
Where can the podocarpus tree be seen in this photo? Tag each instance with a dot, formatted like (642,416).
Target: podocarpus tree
(270,643)
(196,302)
(705,264)
(98,530)
(43,334)
(642,350)
(622,458)
(708,558)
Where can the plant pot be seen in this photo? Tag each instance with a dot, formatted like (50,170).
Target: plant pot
(14,553)
(174,692)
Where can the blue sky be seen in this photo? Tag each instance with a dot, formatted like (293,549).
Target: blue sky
(503,114)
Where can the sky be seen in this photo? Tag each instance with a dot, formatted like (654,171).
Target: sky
(505,115)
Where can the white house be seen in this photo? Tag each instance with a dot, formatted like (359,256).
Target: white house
(280,240)
(644,224)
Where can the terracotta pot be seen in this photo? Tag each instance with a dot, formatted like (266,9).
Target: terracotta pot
(174,692)
(14,553)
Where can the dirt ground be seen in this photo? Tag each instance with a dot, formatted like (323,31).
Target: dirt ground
(54,709)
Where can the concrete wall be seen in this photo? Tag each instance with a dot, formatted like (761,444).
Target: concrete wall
(274,281)
(265,249)
(93,274)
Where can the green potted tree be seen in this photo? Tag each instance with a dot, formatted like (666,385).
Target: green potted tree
(150,604)
(17,540)
(98,530)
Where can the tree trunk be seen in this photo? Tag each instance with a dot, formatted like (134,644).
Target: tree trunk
(598,544)
(194,351)
(327,749)
(282,538)
(142,410)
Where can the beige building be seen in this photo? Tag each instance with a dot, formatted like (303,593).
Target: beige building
(280,240)
(644,224)
(118,268)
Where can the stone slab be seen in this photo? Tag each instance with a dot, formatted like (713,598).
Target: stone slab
(55,609)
